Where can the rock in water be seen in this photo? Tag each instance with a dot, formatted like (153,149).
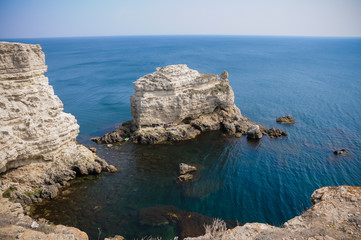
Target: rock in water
(34,130)
(185,172)
(340,152)
(254,132)
(286,119)
(275,133)
(185,168)
(178,103)
(176,94)
(185,177)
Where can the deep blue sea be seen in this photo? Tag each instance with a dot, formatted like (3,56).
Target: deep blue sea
(316,80)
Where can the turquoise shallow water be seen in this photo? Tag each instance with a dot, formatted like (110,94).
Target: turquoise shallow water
(316,80)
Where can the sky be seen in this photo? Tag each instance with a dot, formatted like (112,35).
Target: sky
(68,18)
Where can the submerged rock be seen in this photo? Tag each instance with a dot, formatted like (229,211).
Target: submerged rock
(185,172)
(189,224)
(286,119)
(185,177)
(340,152)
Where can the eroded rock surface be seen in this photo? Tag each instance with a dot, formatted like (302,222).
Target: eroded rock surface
(38,148)
(336,214)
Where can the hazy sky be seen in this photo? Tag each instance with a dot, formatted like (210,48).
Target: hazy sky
(62,18)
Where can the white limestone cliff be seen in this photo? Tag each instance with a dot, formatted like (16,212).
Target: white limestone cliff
(36,136)
(33,126)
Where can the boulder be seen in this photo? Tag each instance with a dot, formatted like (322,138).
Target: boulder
(49,192)
(254,132)
(185,168)
(286,119)
(275,133)
(224,75)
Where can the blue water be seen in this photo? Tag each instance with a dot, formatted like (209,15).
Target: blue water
(316,80)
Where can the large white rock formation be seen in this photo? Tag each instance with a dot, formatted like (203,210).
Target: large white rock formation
(36,136)
(33,126)
(177,94)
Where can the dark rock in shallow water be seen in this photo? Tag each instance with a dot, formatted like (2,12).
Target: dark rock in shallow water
(340,152)
(275,133)
(185,172)
(119,135)
(185,168)
(286,119)
(185,177)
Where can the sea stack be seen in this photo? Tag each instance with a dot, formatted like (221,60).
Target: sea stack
(177,94)
(178,103)
(34,131)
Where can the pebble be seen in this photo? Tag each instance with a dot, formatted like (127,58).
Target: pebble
(34,224)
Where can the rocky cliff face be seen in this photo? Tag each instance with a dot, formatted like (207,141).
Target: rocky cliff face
(178,103)
(34,131)
(33,126)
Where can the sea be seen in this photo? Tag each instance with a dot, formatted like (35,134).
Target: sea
(315,79)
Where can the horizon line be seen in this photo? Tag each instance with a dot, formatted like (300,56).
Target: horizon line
(185,35)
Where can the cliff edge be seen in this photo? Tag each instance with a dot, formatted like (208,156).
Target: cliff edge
(38,148)
(334,215)
(178,103)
